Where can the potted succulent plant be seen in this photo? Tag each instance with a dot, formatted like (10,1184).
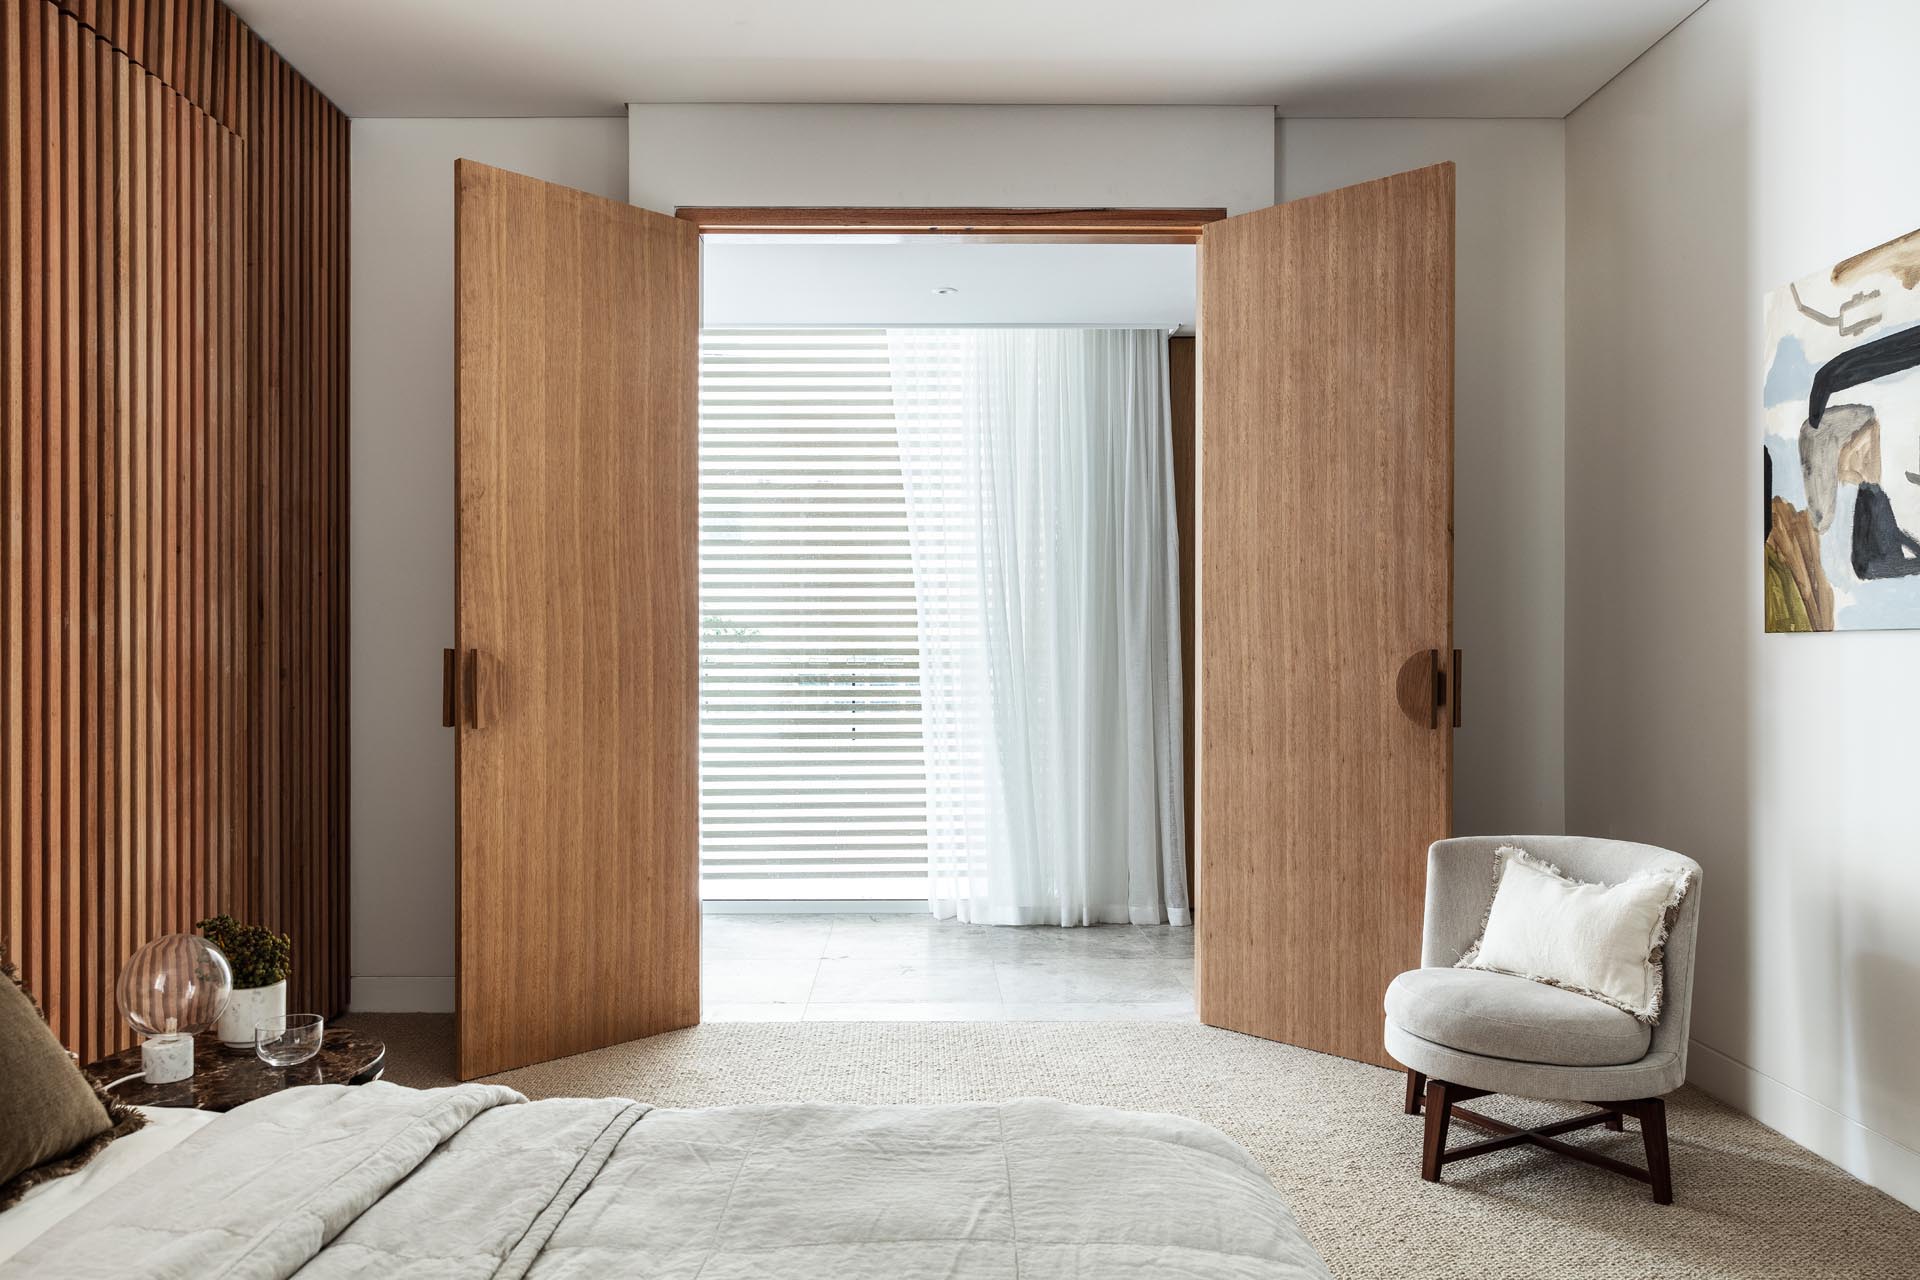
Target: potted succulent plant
(261,960)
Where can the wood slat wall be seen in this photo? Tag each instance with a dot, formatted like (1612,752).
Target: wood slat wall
(172,588)
(197,48)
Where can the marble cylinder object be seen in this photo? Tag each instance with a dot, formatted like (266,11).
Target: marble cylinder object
(167,1058)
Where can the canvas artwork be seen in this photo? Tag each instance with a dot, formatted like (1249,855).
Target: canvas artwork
(1842,449)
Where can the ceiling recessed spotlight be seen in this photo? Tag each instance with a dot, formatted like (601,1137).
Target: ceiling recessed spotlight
(945,289)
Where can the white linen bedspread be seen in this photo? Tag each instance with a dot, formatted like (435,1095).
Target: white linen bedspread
(475,1181)
(43,1206)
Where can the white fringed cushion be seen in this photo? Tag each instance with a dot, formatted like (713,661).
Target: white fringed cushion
(1604,941)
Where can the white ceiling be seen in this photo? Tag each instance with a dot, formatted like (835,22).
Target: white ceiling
(1306,57)
(843,282)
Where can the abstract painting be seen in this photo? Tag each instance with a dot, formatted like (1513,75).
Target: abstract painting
(1841,463)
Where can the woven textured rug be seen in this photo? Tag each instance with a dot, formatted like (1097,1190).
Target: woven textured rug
(1329,1132)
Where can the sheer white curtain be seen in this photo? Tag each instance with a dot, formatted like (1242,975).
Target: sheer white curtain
(1038,472)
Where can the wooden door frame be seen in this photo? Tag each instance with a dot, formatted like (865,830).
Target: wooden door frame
(972,223)
(978,224)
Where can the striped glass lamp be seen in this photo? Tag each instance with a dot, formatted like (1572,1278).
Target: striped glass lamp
(170,989)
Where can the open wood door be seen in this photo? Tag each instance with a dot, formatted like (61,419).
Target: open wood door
(1326,598)
(574,684)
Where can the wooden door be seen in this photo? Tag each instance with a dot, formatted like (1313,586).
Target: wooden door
(1326,584)
(575,685)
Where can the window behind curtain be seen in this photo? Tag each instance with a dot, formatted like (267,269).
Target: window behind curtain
(812,769)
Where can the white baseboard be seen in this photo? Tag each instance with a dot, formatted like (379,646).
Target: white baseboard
(401,995)
(1874,1158)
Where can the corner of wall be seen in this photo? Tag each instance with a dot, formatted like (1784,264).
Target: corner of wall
(1697,181)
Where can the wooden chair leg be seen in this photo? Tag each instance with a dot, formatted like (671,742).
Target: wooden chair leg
(1652,1114)
(1416,1085)
(1439,1114)
(1444,1101)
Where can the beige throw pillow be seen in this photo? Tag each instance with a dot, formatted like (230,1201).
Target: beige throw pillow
(1604,941)
(52,1119)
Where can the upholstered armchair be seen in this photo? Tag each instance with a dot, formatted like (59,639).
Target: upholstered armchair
(1467,1033)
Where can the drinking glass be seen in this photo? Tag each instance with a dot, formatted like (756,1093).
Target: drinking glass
(290,1039)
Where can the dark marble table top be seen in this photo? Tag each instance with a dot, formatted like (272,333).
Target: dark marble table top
(225,1078)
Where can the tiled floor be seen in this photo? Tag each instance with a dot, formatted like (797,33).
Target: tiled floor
(789,968)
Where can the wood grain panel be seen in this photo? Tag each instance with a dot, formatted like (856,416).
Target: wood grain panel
(1326,509)
(576,334)
(172,587)
(191,46)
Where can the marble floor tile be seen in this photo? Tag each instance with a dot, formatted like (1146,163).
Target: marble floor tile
(1086,979)
(782,935)
(728,1012)
(1104,1011)
(908,1011)
(892,966)
(903,919)
(853,980)
(1110,941)
(909,945)
(1167,939)
(738,977)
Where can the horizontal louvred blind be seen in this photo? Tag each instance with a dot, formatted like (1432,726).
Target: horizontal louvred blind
(812,770)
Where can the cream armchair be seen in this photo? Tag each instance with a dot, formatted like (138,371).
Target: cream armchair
(1466,1033)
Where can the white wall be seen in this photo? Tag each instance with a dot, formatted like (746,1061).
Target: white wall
(1509,436)
(1031,157)
(402,372)
(1509,543)
(402,521)
(846,280)
(1762,140)
(1510,394)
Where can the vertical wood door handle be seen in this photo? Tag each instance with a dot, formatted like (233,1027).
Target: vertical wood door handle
(449,663)
(474,719)
(1455,691)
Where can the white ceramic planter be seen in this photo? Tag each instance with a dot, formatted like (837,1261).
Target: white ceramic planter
(247,1007)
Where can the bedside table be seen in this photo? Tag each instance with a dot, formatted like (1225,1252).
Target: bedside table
(225,1078)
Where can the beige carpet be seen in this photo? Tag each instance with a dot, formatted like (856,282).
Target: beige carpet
(1329,1132)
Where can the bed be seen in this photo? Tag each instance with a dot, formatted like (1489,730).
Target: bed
(476,1181)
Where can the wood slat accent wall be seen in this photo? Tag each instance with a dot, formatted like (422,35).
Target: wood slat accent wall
(172,583)
(197,48)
